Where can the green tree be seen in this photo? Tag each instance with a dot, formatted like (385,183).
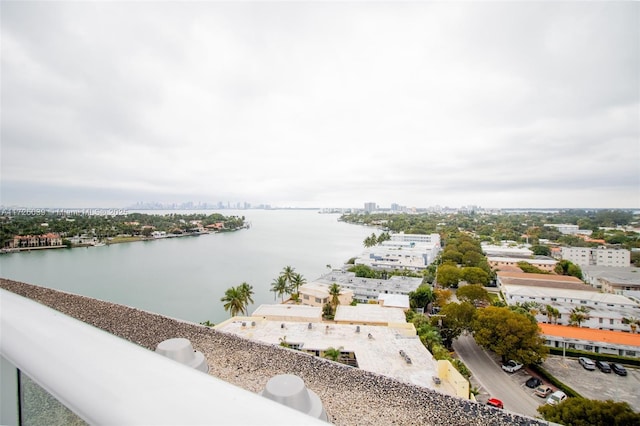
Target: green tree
(332,353)
(288,273)
(453,320)
(473,293)
(632,322)
(421,297)
(475,275)
(565,267)
(578,315)
(297,280)
(247,291)
(509,334)
(334,292)
(234,301)
(370,241)
(472,258)
(364,271)
(448,275)
(589,412)
(327,311)
(279,287)
(529,268)
(552,313)
(452,255)
(540,250)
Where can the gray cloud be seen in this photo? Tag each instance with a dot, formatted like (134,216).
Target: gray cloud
(321,104)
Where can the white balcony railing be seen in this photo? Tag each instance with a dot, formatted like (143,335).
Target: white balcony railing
(107,380)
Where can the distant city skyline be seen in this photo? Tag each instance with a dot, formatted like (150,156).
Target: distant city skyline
(321,104)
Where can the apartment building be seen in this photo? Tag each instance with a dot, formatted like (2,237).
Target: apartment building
(612,280)
(596,341)
(369,289)
(36,241)
(605,311)
(597,256)
(317,294)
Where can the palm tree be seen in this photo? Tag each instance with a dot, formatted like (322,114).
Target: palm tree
(296,281)
(632,322)
(334,291)
(234,301)
(332,353)
(279,287)
(288,273)
(552,313)
(578,315)
(247,291)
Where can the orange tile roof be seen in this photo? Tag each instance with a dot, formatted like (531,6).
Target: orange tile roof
(594,335)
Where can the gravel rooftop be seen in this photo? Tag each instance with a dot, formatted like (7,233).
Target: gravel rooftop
(350,396)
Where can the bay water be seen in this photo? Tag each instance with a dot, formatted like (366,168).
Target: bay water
(185,277)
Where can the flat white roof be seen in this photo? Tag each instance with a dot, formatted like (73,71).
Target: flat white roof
(363,313)
(532,291)
(395,300)
(379,353)
(313,313)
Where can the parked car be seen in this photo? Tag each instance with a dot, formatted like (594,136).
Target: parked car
(533,382)
(556,398)
(543,391)
(494,402)
(603,366)
(587,363)
(619,369)
(511,366)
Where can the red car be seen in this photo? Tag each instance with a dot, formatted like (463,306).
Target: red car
(494,402)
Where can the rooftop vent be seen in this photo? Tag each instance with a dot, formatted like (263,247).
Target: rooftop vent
(180,349)
(290,390)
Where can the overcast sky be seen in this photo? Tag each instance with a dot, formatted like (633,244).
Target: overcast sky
(323,104)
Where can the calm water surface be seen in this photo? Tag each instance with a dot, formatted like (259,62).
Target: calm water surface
(186,277)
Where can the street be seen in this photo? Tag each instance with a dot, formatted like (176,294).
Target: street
(489,375)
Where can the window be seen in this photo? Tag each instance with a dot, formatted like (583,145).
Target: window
(318,300)
(305,296)
(611,321)
(600,320)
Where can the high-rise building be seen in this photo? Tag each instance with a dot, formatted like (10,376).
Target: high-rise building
(370,207)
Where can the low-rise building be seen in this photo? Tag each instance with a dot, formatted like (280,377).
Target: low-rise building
(413,252)
(596,341)
(317,294)
(369,289)
(569,229)
(507,249)
(540,262)
(612,280)
(370,337)
(49,239)
(604,311)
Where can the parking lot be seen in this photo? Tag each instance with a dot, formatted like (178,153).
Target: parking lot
(596,384)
